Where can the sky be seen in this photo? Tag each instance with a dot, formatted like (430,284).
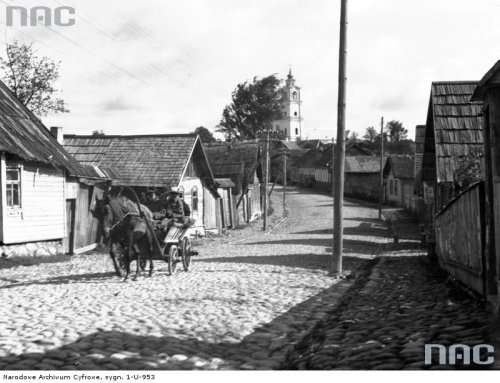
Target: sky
(164,66)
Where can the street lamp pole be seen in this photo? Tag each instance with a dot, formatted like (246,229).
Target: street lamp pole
(338,235)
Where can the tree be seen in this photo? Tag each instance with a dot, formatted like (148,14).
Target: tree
(396,131)
(205,134)
(255,105)
(371,134)
(31,79)
(98,133)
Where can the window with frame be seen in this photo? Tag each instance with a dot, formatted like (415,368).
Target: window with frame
(194,199)
(391,187)
(13,186)
(294,95)
(396,182)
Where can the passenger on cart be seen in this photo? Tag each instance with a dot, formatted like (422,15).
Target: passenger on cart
(172,209)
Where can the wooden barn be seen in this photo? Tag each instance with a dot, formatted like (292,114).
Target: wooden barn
(39,184)
(399,180)
(240,162)
(156,161)
(362,177)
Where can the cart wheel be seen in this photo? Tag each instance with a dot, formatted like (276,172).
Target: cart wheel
(186,253)
(173,259)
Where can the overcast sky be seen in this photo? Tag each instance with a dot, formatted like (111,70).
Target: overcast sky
(164,66)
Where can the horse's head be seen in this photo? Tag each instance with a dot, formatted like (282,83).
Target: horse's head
(103,212)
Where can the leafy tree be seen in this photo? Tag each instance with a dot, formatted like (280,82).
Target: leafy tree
(371,134)
(205,134)
(396,131)
(99,133)
(255,105)
(31,79)
(468,169)
(353,137)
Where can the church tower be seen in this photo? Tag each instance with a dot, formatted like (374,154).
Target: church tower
(291,119)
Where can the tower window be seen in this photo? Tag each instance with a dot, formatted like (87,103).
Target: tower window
(284,114)
(295,113)
(294,95)
(296,131)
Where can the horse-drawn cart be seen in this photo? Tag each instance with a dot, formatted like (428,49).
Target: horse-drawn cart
(131,232)
(177,247)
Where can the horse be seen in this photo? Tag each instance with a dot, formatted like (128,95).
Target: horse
(123,225)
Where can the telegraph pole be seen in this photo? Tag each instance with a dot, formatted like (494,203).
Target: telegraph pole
(266,181)
(338,235)
(381,198)
(333,164)
(284,182)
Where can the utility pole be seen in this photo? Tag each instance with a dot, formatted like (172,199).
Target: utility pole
(338,235)
(266,181)
(333,164)
(284,182)
(381,198)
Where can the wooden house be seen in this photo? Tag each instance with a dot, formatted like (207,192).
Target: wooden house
(418,207)
(398,180)
(39,183)
(487,93)
(240,162)
(453,135)
(362,177)
(156,161)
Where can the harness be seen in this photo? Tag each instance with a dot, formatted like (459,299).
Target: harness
(125,216)
(122,218)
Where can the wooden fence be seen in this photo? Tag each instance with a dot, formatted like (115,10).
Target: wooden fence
(460,237)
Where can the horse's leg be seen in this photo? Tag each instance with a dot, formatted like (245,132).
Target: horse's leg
(150,249)
(128,255)
(137,252)
(112,254)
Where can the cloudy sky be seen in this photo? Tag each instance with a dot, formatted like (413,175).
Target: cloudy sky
(164,66)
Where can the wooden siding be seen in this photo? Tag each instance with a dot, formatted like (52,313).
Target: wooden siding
(42,213)
(210,211)
(459,229)
(363,185)
(86,225)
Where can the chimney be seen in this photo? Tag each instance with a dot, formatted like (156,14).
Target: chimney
(57,133)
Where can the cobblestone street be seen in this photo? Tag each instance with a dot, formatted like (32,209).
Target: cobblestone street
(249,298)
(398,304)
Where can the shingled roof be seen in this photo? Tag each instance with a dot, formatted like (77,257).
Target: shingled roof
(456,125)
(230,159)
(145,160)
(362,164)
(402,166)
(24,135)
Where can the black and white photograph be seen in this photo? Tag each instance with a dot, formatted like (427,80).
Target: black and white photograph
(250,187)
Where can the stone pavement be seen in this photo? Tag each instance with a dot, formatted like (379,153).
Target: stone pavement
(399,303)
(247,300)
